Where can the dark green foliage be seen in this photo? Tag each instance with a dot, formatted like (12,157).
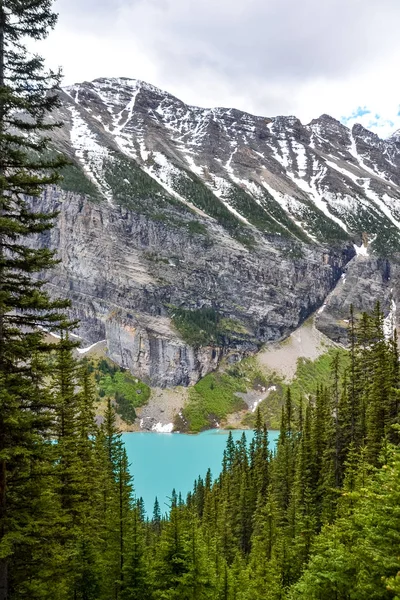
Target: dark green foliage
(387,242)
(318,225)
(134,188)
(195,227)
(216,395)
(130,183)
(193,189)
(75,180)
(27,504)
(266,215)
(127,391)
(198,327)
(125,408)
(206,326)
(309,375)
(328,498)
(210,401)
(358,556)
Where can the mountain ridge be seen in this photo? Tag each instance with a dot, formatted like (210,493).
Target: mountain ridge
(270,173)
(189,235)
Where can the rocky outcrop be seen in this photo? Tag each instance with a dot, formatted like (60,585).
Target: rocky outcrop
(366,280)
(124,271)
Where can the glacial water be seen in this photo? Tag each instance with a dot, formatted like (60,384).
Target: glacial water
(160,462)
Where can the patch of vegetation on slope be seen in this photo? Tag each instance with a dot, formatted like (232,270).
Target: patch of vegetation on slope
(114,382)
(386,242)
(75,180)
(309,374)
(134,188)
(206,326)
(215,396)
(276,210)
(73,177)
(319,225)
(266,214)
(195,191)
(384,235)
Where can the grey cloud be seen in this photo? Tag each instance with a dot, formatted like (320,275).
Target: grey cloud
(284,39)
(95,16)
(261,49)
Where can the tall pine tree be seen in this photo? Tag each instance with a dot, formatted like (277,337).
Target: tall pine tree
(27,94)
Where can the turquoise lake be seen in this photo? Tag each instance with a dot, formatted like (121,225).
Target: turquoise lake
(160,462)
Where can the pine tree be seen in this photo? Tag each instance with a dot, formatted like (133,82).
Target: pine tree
(136,581)
(156,520)
(79,494)
(27,94)
(118,503)
(358,556)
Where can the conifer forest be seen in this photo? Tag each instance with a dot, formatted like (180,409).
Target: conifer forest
(317,518)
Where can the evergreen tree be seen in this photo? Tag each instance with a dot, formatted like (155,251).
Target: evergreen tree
(136,580)
(358,556)
(119,508)
(27,94)
(156,520)
(79,494)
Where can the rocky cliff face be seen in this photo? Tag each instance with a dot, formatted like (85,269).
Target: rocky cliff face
(366,280)
(168,206)
(124,272)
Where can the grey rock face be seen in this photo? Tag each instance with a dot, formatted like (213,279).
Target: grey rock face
(365,281)
(123,271)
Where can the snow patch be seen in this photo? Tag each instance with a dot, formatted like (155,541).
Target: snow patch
(84,350)
(343,171)
(255,404)
(163,172)
(144,153)
(290,205)
(301,158)
(361,250)
(193,167)
(221,188)
(382,202)
(90,153)
(160,428)
(321,202)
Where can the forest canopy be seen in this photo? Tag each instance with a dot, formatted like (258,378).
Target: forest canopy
(317,518)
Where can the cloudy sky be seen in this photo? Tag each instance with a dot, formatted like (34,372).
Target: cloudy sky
(269,57)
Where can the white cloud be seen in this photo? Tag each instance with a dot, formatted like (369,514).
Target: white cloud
(264,56)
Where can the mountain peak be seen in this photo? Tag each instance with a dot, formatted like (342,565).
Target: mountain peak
(326,121)
(395,137)
(267,175)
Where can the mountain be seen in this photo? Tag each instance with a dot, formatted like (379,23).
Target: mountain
(187,234)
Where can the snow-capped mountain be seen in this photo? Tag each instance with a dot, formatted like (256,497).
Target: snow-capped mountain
(317,182)
(167,207)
